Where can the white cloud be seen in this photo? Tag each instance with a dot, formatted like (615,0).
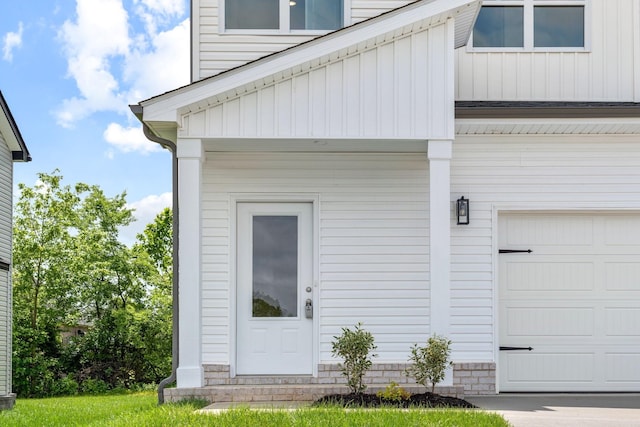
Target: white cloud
(114,64)
(129,139)
(12,41)
(163,67)
(145,211)
(157,12)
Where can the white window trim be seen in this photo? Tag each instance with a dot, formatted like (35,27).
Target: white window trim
(284,22)
(528,6)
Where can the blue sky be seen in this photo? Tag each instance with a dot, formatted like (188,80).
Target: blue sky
(68,71)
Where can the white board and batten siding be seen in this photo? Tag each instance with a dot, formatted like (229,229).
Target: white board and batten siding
(557,173)
(373,242)
(608,70)
(6,189)
(384,90)
(215,51)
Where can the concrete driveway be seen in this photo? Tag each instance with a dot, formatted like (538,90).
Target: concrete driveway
(584,410)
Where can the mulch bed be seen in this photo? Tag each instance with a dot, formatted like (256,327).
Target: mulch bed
(422,400)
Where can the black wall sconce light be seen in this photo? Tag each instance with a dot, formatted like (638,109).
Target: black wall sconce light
(462,210)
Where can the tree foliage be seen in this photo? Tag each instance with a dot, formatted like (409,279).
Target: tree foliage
(70,268)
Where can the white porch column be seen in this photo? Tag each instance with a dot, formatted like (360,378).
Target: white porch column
(439,154)
(190,157)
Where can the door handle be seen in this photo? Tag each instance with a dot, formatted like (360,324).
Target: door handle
(308,309)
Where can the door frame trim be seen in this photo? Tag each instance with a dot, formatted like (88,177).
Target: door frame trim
(236,198)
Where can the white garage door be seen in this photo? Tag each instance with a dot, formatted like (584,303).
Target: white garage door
(575,300)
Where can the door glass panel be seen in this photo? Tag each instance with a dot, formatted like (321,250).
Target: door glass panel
(275,266)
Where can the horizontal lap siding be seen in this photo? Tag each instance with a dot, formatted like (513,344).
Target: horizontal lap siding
(606,72)
(373,249)
(217,52)
(6,188)
(527,171)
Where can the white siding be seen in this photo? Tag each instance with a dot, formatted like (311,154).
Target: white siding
(397,89)
(373,248)
(6,188)
(607,72)
(524,172)
(215,51)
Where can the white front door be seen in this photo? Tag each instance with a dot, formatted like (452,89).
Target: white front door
(274,287)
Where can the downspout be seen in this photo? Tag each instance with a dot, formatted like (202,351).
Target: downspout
(171,146)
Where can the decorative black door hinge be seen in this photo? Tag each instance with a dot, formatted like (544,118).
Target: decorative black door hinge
(515,348)
(514,251)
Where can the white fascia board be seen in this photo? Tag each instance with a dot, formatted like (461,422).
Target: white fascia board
(165,107)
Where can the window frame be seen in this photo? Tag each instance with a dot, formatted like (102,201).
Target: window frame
(528,26)
(285,26)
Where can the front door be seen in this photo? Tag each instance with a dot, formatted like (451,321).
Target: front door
(274,288)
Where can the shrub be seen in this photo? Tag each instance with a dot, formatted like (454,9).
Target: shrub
(430,363)
(65,386)
(354,347)
(91,386)
(394,392)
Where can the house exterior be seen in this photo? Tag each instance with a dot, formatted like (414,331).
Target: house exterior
(318,179)
(12,149)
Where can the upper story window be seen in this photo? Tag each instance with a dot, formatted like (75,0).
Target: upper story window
(531,25)
(283,15)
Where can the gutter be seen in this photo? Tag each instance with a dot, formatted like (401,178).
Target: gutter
(171,146)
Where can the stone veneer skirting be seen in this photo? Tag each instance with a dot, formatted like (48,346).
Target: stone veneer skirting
(468,379)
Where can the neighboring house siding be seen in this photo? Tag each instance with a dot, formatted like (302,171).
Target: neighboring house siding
(374,252)
(608,71)
(215,52)
(524,172)
(6,184)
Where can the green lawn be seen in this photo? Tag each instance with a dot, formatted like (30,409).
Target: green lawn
(141,410)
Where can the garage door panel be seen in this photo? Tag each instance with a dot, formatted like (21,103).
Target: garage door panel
(548,276)
(622,322)
(549,322)
(622,367)
(575,299)
(543,367)
(622,276)
(535,230)
(622,230)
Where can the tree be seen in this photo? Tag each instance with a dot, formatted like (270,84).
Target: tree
(69,266)
(43,293)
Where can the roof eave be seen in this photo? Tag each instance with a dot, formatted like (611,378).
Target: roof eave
(11,133)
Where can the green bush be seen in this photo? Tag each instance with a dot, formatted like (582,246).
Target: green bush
(91,386)
(65,386)
(394,393)
(430,363)
(354,347)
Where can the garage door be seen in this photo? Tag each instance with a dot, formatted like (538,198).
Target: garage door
(575,300)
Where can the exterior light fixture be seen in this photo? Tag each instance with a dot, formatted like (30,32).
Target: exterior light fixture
(292,3)
(462,210)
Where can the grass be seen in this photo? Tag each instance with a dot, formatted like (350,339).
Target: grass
(141,410)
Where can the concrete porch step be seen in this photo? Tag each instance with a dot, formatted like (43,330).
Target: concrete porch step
(282,392)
